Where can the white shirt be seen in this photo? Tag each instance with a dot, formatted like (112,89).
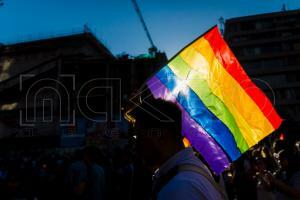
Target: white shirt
(186,184)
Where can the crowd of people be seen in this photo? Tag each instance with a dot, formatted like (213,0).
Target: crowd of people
(265,172)
(84,173)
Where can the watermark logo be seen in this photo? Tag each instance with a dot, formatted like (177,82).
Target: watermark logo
(59,100)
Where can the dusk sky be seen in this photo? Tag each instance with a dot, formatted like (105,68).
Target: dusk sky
(172,23)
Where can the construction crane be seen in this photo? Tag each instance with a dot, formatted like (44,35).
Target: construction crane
(152,49)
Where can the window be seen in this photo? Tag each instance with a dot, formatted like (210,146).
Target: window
(271,48)
(277,62)
(271,79)
(247,26)
(293,77)
(290,94)
(252,64)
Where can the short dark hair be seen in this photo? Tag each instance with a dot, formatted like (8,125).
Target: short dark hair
(160,114)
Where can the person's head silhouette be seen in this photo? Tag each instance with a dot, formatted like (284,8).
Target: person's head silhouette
(158,131)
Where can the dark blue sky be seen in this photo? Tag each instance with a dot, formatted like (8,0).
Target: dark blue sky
(172,23)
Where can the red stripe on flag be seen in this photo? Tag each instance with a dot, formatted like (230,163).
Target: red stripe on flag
(233,67)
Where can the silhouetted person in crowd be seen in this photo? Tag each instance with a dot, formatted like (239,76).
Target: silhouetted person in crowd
(287,184)
(178,173)
(86,178)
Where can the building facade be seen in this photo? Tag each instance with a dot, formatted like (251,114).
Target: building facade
(66,91)
(268,47)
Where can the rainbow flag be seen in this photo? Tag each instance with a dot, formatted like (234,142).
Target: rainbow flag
(224,112)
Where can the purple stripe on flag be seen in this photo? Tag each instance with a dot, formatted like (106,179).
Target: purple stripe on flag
(198,137)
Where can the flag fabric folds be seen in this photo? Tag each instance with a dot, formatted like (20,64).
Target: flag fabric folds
(223,112)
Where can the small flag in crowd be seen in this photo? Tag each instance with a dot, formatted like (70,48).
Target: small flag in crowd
(224,112)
